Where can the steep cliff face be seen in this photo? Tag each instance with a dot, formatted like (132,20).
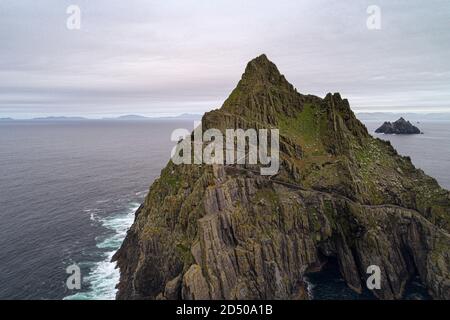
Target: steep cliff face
(226,232)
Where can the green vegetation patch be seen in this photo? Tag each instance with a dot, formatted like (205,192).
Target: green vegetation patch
(305,128)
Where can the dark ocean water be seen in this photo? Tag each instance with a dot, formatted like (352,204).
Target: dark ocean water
(68,192)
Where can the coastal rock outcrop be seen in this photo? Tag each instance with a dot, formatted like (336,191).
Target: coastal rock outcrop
(401,126)
(226,232)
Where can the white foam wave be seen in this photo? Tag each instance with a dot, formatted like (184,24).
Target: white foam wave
(309,288)
(104,276)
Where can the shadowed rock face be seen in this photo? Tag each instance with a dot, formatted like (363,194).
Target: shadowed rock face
(401,126)
(224,232)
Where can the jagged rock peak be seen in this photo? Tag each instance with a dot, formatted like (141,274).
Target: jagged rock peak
(262,93)
(261,66)
(401,126)
(262,70)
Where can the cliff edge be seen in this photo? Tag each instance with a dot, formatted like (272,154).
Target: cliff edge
(226,232)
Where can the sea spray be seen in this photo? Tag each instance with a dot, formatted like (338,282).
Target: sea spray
(103,275)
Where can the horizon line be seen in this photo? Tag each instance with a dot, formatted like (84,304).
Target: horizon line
(186,114)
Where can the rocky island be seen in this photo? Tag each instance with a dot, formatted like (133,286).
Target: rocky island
(226,232)
(401,126)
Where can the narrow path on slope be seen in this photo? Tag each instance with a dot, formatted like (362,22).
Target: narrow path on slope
(299,187)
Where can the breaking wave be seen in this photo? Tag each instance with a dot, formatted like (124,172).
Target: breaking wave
(103,275)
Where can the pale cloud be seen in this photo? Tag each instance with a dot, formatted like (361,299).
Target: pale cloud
(171,57)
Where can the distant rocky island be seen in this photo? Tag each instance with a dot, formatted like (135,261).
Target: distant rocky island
(401,126)
(226,232)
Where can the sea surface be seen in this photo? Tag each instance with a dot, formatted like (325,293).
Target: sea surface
(68,192)
(69,189)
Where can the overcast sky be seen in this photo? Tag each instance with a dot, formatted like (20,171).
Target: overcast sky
(170,57)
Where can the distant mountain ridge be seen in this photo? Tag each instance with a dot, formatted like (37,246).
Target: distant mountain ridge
(184,116)
(59,118)
(187,116)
